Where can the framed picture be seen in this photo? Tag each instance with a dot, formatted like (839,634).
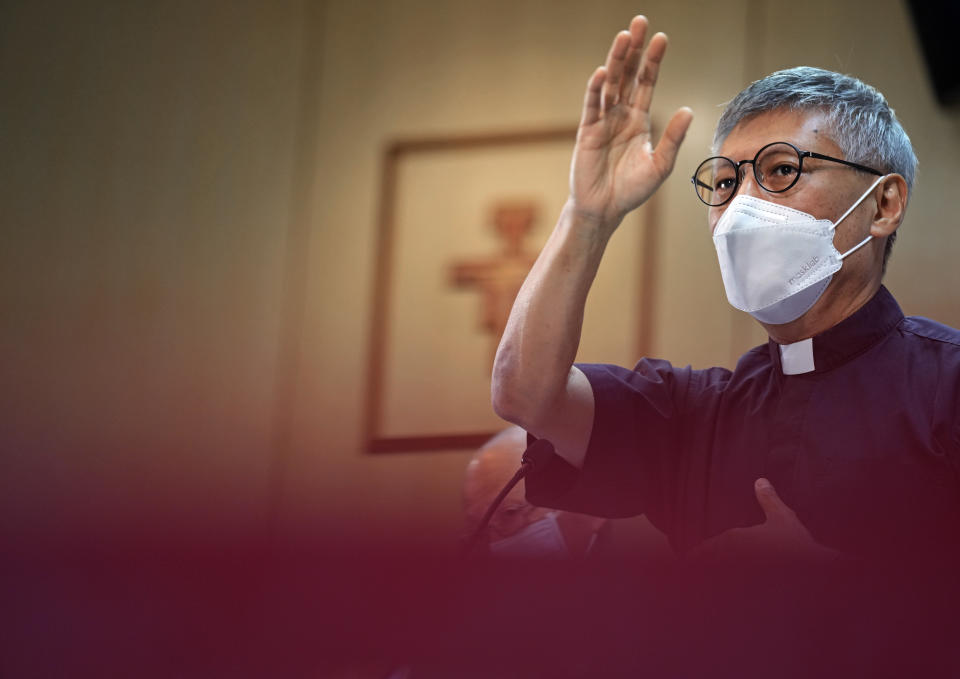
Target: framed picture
(461,221)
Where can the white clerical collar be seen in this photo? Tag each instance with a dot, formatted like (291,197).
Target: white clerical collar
(797,358)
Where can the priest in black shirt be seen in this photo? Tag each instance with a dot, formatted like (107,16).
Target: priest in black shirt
(841,435)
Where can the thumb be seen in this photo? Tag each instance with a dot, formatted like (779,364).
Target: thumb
(770,502)
(665,155)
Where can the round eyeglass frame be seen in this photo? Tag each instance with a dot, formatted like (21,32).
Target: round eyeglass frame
(738,164)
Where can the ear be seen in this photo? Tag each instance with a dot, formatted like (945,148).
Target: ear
(891,196)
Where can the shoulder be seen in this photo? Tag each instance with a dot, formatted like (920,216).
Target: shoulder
(646,370)
(649,369)
(936,351)
(654,375)
(932,331)
(932,350)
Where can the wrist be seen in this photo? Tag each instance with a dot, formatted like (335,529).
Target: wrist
(590,222)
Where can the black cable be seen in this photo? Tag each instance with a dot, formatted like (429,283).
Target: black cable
(475,537)
(537,453)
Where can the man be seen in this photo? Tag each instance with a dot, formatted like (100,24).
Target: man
(842,434)
(518,528)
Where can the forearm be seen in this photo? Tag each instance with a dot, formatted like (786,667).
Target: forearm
(615,168)
(536,354)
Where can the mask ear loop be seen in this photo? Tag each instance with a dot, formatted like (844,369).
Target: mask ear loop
(854,207)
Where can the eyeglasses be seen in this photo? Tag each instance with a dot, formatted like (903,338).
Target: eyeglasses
(776,167)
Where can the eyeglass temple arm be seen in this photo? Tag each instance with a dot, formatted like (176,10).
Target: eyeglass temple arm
(811,154)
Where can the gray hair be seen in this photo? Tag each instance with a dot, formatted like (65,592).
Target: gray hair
(862,123)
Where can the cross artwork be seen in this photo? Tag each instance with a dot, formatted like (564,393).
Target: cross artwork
(498,277)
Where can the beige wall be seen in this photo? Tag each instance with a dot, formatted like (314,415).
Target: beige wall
(189,200)
(148,165)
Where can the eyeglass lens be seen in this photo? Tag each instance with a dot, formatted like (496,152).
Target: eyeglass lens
(776,168)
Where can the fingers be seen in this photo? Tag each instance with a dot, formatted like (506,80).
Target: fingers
(616,63)
(630,72)
(649,71)
(638,32)
(773,507)
(591,100)
(666,150)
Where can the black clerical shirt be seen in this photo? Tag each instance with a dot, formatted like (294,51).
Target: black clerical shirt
(862,442)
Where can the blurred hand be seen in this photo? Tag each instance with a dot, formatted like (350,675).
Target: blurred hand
(781,536)
(615,166)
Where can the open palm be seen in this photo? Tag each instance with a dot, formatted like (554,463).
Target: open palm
(615,165)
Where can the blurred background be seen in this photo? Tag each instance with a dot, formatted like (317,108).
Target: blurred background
(189,200)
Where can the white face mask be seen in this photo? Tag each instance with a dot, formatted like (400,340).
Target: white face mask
(777,261)
(540,539)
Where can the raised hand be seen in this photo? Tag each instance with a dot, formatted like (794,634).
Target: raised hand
(615,168)
(615,165)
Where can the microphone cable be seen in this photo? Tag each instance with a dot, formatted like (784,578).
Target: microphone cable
(527,463)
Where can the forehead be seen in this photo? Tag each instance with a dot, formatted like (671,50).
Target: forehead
(807,130)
